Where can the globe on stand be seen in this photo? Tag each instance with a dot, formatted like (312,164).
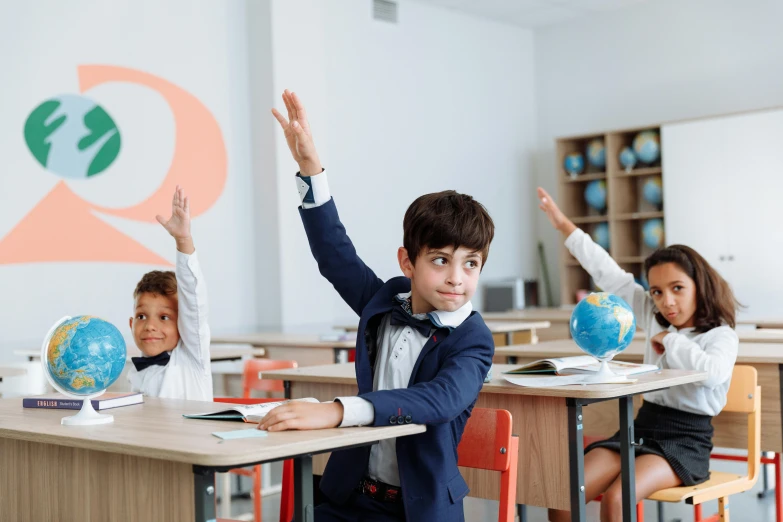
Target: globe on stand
(81,357)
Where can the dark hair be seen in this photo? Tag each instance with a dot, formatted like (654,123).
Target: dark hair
(447,219)
(157,282)
(715,302)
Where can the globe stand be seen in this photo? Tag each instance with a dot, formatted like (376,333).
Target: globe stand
(87,416)
(604,375)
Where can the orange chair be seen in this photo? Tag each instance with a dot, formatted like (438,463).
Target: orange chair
(487,443)
(250,382)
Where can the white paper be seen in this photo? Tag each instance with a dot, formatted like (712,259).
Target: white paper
(536,381)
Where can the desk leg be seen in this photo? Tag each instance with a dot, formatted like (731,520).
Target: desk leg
(511,359)
(627,456)
(509,338)
(204,493)
(303,489)
(287,389)
(522,512)
(576,457)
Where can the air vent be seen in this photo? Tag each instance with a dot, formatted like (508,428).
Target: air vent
(385,11)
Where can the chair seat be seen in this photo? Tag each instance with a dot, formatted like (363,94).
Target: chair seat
(720,484)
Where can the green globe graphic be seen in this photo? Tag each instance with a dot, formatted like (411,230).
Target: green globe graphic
(72,136)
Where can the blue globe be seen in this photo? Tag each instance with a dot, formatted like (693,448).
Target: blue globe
(627,158)
(652,190)
(652,233)
(601,235)
(83,355)
(574,164)
(602,325)
(595,194)
(647,146)
(596,153)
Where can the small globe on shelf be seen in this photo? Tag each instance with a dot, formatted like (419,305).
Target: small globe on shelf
(627,159)
(81,357)
(603,325)
(595,194)
(652,191)
(574,164)
(596,153)
(652,233)
(647,146)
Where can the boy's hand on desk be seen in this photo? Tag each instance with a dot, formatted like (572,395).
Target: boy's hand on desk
(178,225)
(298,135)
(303,416)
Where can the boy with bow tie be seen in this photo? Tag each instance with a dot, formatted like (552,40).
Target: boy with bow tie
(421,353)
(169,322)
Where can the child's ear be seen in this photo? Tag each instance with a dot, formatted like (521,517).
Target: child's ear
(130,323)
(406,265)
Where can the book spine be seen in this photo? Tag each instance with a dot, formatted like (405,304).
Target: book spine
(58,404)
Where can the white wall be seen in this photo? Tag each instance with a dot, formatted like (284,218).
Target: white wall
(656,61)
(438,101)
(200,46)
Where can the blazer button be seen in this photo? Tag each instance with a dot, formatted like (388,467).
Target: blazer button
(400,420)
(392,420)
(408,419)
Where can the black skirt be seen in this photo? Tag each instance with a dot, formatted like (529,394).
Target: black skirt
(683,439)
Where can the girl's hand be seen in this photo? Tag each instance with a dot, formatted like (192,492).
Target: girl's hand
(553,212)
(657,342)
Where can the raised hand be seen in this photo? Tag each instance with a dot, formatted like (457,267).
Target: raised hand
(553,212)
(178,225)
(298,135)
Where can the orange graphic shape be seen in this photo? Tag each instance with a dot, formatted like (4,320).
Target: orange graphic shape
(199,164)
(62,228)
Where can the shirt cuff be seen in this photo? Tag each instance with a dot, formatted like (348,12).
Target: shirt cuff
(356,412)
(187,261)
(573,238)
(313,190)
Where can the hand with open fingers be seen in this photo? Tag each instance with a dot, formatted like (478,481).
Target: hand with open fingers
(178,225)
(657,342)
(553,212)
(298,134)
(303,416)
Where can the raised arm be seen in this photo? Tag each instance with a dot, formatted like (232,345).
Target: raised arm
(332,249)
(596,261)
(192,309)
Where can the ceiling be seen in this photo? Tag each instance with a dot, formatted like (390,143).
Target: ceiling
(532,13)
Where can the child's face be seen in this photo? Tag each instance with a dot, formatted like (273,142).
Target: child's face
(154,323)
(442,278)
(674,293)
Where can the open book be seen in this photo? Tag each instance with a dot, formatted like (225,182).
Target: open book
(243,412)
(579,365)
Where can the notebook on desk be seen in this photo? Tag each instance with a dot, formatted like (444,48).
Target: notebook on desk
(244,412)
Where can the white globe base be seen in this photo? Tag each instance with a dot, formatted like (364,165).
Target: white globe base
(87,416)
(604,375)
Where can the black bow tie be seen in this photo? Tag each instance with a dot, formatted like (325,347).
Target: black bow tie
(162,359)
(400,317)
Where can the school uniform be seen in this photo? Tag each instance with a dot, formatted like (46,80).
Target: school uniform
(675,423)
(185,372)
(424,368)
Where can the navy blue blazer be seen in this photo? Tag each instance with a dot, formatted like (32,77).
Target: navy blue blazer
(443,388)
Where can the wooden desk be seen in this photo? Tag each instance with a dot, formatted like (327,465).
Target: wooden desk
(10,371)
(558,317)
(285,340)
(766,335)
(150,464)
(730,430)
(504,332)
(547,420)
(215,353)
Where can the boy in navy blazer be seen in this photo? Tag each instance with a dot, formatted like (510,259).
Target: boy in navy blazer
(422,353)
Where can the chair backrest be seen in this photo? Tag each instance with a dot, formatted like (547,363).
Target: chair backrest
(487,443)
(745,397)
(486,439)
(251,381)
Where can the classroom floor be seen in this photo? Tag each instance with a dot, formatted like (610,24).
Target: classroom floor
(746,507)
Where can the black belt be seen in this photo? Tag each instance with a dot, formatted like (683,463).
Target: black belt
(380,491)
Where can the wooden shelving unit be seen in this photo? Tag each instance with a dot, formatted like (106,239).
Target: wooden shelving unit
(626,209)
